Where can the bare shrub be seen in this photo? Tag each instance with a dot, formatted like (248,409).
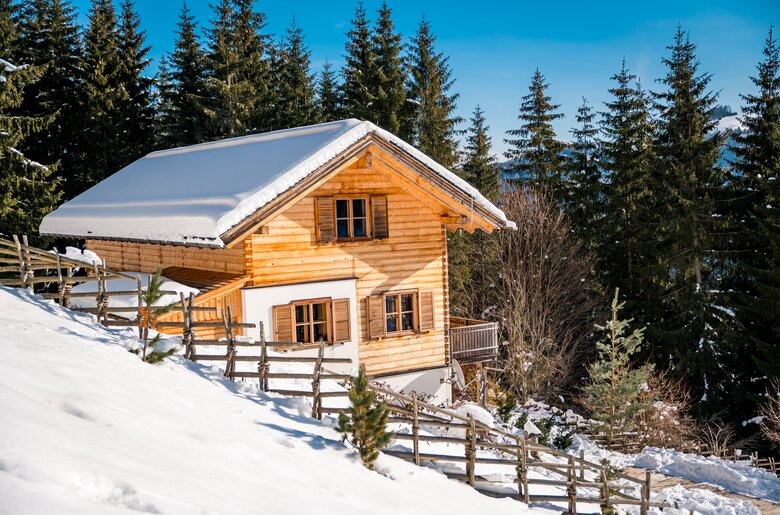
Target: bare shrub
(544,303)
(666,421)
(770,410)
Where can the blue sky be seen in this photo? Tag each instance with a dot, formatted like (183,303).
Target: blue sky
(494,46)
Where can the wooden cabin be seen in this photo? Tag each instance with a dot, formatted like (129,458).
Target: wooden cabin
(333,232)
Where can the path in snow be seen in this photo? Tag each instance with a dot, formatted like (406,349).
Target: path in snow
(660,481)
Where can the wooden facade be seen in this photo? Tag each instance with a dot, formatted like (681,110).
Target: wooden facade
(402,248)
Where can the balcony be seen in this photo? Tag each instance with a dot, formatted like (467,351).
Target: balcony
(473,341)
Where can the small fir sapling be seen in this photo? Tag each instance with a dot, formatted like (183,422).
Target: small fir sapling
(149,314)
(615,391)
(365,423)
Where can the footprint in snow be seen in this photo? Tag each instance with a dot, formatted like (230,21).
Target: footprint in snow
(102,489)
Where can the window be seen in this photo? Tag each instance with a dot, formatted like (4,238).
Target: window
(400,312)
(351,218)
(311,322)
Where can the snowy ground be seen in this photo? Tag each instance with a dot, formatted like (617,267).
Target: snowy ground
(86,428)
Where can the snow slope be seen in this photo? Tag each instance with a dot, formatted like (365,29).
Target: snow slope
(86,428)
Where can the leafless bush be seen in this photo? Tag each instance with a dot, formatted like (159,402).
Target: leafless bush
(770,425)
(666,420)
(544,303)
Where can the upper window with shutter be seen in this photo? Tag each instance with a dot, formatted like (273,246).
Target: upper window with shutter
(351,218)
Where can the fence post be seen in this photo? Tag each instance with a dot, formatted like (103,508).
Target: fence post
(101,300)
(605,506)
(645,495)
(230,367)
(415,430)
(316,407)
(571,486)
(27,261)
(482,386)
(262,365)
(186,329)
(140,291)
(22,264)
(521,469)
(471,450)
(582,464)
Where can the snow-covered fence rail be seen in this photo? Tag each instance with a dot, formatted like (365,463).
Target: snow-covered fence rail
(576,479)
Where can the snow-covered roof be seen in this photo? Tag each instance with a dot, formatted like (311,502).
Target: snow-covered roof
(194,194)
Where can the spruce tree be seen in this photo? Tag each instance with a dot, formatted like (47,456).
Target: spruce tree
(626,237)
(294,93)
(535,151)
(49,37)
(364,424)
(328,101)
(479,166)
(614,390)
(183,90)
(238,71)
(430,121)
(136,111)
(27,188)
(689,327)
(757,179)
(357,94)
(389,80)
(103,99)
(583,192)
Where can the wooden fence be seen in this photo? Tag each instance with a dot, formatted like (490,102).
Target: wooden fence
(582,480)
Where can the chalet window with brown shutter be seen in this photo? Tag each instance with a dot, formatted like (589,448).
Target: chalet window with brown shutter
(312,321)
(399,313)
(351,218)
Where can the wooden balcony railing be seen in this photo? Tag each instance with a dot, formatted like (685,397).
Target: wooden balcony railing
(473,341)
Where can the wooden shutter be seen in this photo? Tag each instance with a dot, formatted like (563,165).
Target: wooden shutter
(375,313)
(341,322)
(326,220)
(379,217)
(283,323)
(425,301)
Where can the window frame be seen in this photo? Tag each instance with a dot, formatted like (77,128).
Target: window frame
(351,218)
(399,313)
(309,306)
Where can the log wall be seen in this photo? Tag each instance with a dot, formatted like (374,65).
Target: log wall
(145,257)
(412,257)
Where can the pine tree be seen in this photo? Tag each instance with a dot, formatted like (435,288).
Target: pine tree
(626,235)
(238,71)
(389,81)
(689,327)
(430,123)
(357,95)
(535,151)
(479,167)
(101,111)
(365,423)
(757,178)
(183,89)
(150,298)
(328,100)
(49,37)
(294,84)
(137,113)
(614,389)
(27,188)
(583,191)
